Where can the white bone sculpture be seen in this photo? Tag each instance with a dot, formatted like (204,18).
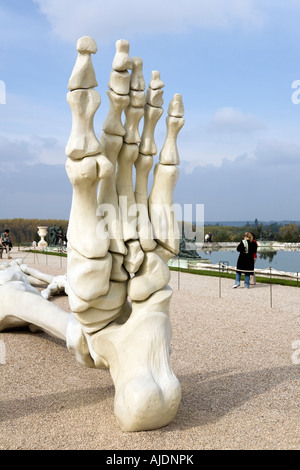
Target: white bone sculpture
(117,274)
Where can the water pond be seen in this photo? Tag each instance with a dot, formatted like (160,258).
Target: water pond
(280,260)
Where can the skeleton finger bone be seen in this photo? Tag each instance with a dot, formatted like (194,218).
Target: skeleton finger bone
(169,153)
(151,117)
(83,74)
(83,141)
(153,112)
(122,61)
(133,117)
(166,173)
(113,123)
(21,306)
(137,81)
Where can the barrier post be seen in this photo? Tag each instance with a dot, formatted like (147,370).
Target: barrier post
(271,287)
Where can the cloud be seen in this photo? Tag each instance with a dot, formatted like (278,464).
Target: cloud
(29,151)
(33,184)
(47,150)
(276,153)
(12,153)
(232,120)
(262,185)
(110,20)
(230,132)
(37,191)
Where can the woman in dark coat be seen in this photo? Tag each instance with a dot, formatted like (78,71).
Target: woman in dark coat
(245,263)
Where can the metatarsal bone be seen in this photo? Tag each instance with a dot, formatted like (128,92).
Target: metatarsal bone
(82,141)
(143,166)
(107,194)
(84,233)
(161,210)
(112,145)
(126,159)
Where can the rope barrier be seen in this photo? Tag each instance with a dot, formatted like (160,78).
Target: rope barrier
(263,271)
(268,272)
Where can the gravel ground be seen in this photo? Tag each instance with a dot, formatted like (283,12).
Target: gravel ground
(233,355)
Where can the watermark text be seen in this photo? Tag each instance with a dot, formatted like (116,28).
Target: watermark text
(296,94)
(158,221)
(2,92)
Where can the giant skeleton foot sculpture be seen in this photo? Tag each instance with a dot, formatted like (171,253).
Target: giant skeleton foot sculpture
(119,241)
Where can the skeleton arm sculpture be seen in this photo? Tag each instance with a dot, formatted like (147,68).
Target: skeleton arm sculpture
(119,242)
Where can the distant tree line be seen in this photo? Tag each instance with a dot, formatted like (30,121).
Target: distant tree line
(273,231)
(24,231)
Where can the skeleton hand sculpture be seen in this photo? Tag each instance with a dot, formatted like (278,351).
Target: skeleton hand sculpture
(119,240)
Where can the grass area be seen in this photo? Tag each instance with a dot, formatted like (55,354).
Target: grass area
(265,280)
(51,253)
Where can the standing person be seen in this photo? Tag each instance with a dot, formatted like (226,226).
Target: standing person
(245,263)
(60,240)
(255,258)
(5,241)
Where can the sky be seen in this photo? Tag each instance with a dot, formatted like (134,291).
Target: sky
(236,64)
